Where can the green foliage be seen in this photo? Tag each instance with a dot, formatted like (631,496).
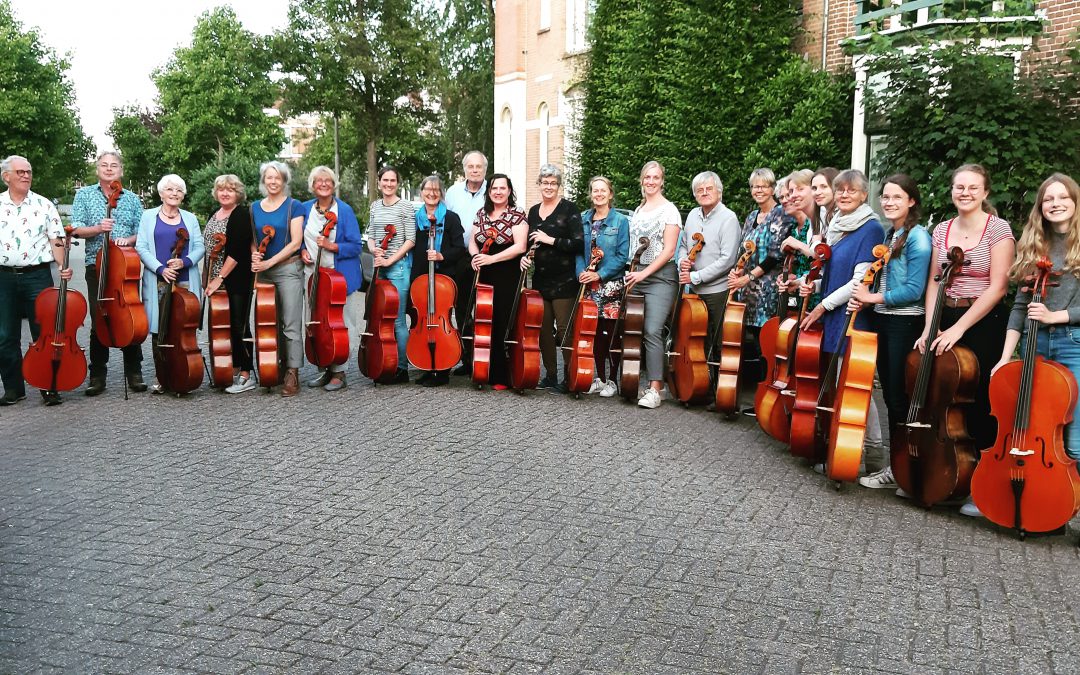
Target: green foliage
(691,84)
(37,114)
(199,199)
(946,106)
(136,132)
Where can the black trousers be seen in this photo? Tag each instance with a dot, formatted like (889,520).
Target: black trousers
(986,338)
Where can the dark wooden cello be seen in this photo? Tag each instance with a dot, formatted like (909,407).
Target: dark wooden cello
(854,390)
(1026,481)
(434,343)
(326,340)
(218,325)
(580,364)
(731,339)
(119,317)
(803,439)
(932,453)
(378,354)
(177,358)
(55,362)
(523,334)
(630,327)
(267,347)
(771,415)
(482,305)
(688,368)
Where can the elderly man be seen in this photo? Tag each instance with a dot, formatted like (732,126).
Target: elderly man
(30,241)
(88,217)
(465,199)
(708,274)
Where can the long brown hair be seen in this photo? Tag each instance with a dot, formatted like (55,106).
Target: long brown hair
(821,223)
(911,189)
(1033,243)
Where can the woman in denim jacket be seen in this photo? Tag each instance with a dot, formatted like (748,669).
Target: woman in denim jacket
(611,232)
(899,301)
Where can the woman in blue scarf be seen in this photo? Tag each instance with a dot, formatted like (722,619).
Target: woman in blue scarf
(448,249)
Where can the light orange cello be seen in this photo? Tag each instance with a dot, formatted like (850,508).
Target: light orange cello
(580,363)
(267,354)
(218,324)
(434,343)
(731,339)
(854,391)
(688,368)
(378,353)
(55,362)
(776,352)
(1026,481)
(803,439)
(119,317)
(523,334)
(326,340)
(482,304)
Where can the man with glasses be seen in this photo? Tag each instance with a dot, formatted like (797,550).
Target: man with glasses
(466,199)
(30,241)
(88,216)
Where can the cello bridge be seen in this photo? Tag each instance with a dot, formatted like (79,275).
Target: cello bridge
(916,425)
(1017,452)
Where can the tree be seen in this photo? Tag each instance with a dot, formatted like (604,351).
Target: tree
(37,114)
(368,60)
(137,134)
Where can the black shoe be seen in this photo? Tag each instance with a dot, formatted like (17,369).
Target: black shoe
(97,385)
(402,376)
(558,389)
(11,398)
(463,370)
(424,379)
(548,383)
(437,380)
(135,382)
(51,398)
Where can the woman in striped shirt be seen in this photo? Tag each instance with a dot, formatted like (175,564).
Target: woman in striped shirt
(395,260)
(973,315)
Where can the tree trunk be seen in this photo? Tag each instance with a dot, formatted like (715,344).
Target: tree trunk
(373,180)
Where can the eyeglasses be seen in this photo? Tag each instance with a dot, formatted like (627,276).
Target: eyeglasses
(23,173)
(761,187)
(322,181)
(961,189)
(549,183)
(848,191)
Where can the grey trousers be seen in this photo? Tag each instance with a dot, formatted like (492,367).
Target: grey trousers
(288,280)
(660,291)
(353,310)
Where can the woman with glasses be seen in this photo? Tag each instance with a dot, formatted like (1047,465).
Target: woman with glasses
(555,228)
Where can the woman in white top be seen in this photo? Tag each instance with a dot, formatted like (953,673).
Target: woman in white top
(659,221)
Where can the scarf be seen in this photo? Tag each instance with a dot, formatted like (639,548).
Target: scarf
(842,225)
(422,222)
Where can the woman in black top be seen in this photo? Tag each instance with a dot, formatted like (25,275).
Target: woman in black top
(555,229)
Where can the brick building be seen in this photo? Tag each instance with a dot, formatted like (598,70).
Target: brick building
(539,46)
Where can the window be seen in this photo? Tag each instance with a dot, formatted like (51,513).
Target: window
(504,139)
(577,24)
(543,114)
(545,15)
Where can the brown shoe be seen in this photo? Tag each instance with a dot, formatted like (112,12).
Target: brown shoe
(292,383)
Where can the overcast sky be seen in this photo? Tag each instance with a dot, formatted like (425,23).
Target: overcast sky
(114,45)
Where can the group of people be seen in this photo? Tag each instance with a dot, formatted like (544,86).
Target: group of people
(481,233)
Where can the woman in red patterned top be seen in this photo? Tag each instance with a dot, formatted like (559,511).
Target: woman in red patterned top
(973,315)
(500,266)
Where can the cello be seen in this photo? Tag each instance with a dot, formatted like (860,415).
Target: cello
(1025,481)
(526,318)
(688,368)
(119,315)
(177,358)
(218,325)
(731,338)
(854,390)
(326,340)
(580,364)
(433,342)
(482,302)
(56,362)
(771,415)
(803,439)
(630,326)
(932,453)
(378,354)
(267,356)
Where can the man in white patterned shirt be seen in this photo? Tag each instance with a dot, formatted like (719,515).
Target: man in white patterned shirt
(30,241)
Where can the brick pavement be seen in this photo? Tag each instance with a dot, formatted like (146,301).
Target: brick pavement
(449,530)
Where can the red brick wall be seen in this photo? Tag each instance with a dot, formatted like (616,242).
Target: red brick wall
(841,14)
(1063,21)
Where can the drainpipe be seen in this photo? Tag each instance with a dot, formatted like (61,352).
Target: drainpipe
(825,35)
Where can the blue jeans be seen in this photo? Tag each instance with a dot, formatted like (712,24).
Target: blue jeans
(17,295)
(1062,344)
(398,274)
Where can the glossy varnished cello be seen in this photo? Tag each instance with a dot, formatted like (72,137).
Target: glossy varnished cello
(218,325)
(326,340)
(580,363)
(178,360)
(630,327)
(1026,481)
(378,353)
(854,390)
(119,317)
(55,362)
(731,339)
(803,439)
(434,343)
(932,453)
(266,347)
(688,368)
(523,334)
(776,352)
(482,312)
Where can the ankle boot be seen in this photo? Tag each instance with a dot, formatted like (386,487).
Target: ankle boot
(292,383)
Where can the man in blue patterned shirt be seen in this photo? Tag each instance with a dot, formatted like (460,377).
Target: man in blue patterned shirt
(88,217)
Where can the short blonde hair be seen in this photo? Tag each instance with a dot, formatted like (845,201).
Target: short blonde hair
(229,180)
(321,170)
(283,170)
(173,180)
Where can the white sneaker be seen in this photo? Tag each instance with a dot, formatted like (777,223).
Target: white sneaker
(597,386)
(902,494)
(609,390)
(665,395)
(651,399)
(879,479)
(242,384)
(969,509)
